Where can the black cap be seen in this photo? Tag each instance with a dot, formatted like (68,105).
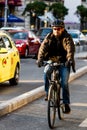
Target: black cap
(58,23)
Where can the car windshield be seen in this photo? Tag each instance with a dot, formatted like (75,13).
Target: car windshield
(19,35)
(74,35)
(43,32)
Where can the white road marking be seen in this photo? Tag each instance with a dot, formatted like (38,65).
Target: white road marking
(79,104)
(84,123)
(27,81)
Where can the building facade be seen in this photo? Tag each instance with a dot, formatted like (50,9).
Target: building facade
(72,20)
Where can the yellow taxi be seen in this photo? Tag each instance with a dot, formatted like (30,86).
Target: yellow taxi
(9,59)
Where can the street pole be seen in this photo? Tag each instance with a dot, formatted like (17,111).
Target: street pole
(5,16)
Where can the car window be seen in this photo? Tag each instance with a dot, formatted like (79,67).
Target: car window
(19,35)
(74,35)
(2,44)
(7,42)
(31,34)
(43,32)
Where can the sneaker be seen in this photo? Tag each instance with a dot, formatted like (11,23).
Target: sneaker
(67,109)
(46,97)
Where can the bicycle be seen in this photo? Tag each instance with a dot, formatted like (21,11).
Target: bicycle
(55,102)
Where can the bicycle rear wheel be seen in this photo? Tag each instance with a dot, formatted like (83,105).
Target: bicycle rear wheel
(51,106)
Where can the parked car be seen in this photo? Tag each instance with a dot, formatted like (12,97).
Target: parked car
(42,32)
(12,28)
(78,37)
(84,32)
(26,42)
(9,59)
(34,30)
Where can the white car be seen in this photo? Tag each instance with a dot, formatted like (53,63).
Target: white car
(12,28)
(78,37)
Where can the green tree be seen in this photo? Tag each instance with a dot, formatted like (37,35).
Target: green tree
(59,10)
(82,13)
(36,7)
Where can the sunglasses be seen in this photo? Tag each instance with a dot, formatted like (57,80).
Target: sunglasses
(58,28)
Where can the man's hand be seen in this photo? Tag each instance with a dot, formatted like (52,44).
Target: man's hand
(39,63)
(68,63)
(73,69)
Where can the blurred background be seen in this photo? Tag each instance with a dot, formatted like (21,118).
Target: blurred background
(34,14)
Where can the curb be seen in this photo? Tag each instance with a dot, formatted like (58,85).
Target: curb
(78,73)
(17,102)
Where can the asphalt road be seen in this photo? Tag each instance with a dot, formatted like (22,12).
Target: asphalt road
(33,116)
(31,77)
(30,71)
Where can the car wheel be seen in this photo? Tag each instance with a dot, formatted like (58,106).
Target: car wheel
(35,56)
(26,53)
(15,80)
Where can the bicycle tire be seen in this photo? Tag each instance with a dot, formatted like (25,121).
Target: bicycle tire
(60,105)
(51,106)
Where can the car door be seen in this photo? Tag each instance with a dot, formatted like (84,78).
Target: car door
(4,61)
(34,43)
(10,57)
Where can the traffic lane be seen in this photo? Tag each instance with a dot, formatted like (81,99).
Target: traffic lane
(80,63)
(8,92)
(34,115)
(31,77)
(30,70)
(79,89)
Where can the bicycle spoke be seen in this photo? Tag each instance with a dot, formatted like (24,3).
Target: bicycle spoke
(51,107)
(51,113)
(60,106)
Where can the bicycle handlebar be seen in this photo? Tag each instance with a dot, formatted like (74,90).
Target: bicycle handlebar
(55,64)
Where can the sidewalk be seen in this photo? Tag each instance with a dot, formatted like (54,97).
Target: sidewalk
(21,100)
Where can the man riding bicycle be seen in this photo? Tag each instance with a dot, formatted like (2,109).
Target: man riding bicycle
(58,46)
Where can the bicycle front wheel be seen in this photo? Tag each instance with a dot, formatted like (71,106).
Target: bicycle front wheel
(59,102)
(51,106)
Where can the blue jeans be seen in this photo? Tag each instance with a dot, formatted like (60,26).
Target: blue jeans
(64,76)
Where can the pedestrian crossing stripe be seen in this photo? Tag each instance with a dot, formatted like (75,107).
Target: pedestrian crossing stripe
(84,123)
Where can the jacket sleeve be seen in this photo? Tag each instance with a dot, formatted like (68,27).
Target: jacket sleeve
(70,48)
(43,50)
